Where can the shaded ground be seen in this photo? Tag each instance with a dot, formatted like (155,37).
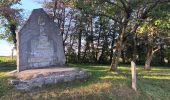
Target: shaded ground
(103,85)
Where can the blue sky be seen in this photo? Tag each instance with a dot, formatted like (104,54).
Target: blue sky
(28,6)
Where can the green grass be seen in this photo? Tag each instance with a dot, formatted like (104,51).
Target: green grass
(102,85)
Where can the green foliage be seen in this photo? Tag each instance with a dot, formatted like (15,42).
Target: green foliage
(161,16)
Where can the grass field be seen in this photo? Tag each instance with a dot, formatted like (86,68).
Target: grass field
(102,85)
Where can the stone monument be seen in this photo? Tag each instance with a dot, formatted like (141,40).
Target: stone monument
(39,43)
(40,55)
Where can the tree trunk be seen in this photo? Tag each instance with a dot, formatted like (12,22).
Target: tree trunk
(148,59)
(98,39)
(98,44)
(12,55)
(102,58)
(92,40)
(111,50)
(123,57)
(114,64)
(147,63)
(119,46)
(79,45)
(117,55)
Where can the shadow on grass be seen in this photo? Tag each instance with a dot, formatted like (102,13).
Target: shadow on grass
(7,66)
(5,86)
(101,85)
(4,68)
(155,89)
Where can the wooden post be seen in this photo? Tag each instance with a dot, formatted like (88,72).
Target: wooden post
(133,70)
(12,55)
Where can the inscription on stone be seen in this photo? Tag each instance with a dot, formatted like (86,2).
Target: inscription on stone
(39,43)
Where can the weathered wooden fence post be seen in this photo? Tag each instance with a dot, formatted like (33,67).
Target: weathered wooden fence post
(133,70)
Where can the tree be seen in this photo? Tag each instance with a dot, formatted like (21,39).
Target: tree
(11,16)
(156,31)
(101,31)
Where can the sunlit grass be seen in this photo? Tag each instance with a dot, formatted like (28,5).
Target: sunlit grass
(102,85)
(7,59)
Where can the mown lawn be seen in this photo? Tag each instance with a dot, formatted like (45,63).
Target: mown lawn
(102,85)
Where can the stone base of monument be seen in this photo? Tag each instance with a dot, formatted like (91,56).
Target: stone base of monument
(28,79)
